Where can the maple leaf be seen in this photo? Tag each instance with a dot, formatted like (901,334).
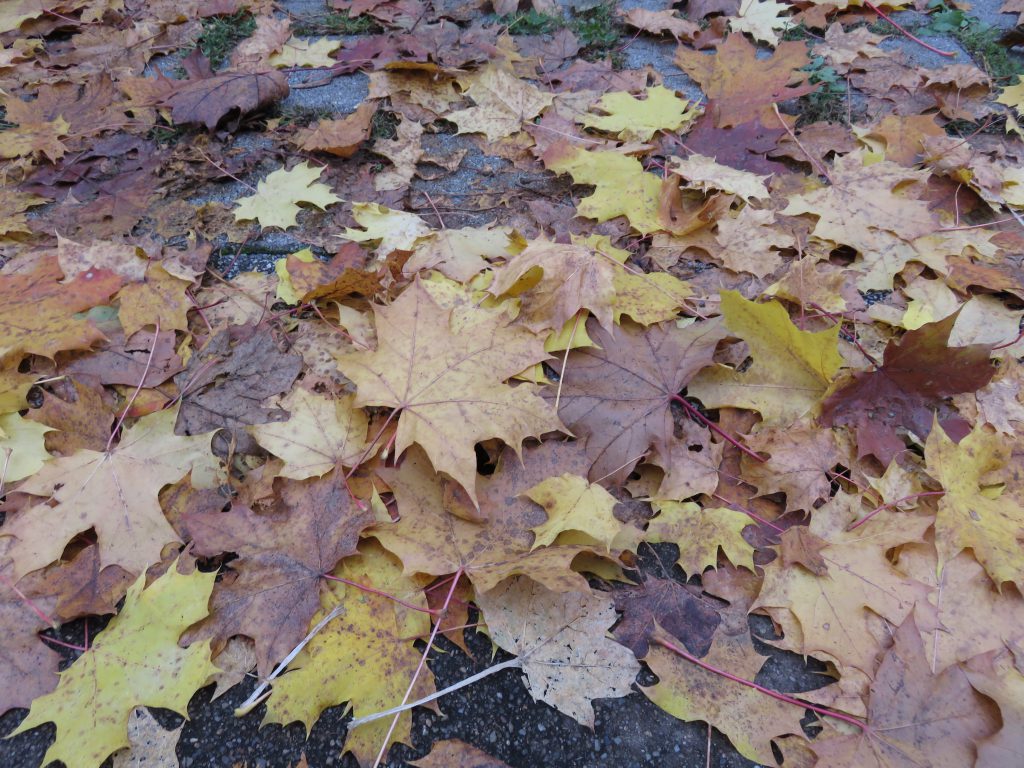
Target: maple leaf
(159,301)
(748,718)
(503,103)
(135,660)
(991,525)
(114,492)
(436,536)
(460,254)
(282,561)
(573,504)
(844,48)
(208,100)
(747,240)
(799,457)
(22,445)
(320,434)
(277,197)
(761,19)
(904,392)
(636,119)
(296,52)
(149,743)
(449,752)
(792,368)
(28,667)
(341,138)
(915,717)
(561,640)
(667,604)
(393,230)
(742,87)
(554,281)
(656,22)
(699,533)
(51,326)
(840,614)
(365,656)
(865,207)
(704,173)
(997,675)
(227,381)
(448,387)
(303,278)
(618,395)
(622,186)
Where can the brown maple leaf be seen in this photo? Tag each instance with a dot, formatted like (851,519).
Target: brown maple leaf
(618,395)
(915,717)
(740,86)
(906,391)
(282,561)
(670,605)
(208,100)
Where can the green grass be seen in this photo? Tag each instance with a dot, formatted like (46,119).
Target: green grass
(978,39)
(828,103)
(336,24)
(384,125)
(220,35)
(598,29)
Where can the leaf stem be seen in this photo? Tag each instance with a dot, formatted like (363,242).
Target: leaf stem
(135,394)
(693,412)
(374,591)
(889,504)
(917,40)
(759,688)
(750,513)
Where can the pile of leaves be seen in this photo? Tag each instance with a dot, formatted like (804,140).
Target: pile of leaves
(781,347)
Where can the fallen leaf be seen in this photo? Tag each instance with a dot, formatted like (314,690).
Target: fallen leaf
(667,604)
(209,100)
(277,197)
(561,639)
(634,119)
(341,138)
(699,533)
(135,660)
(573,504)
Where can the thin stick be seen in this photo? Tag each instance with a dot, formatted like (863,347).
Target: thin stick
(759,688)
(565,360)
(510,664)
(61,643)
(419,667)
(880,507)
(257,696)
(917,40)
(131,400)
(28,601)
(715,428)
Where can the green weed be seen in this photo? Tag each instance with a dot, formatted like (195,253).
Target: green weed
(384,125)
(828,103)
(598,30)
(336,24)
(221,34)
(532,23)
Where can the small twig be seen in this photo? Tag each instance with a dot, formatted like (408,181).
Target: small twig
(750,513)
(510,664)
(565,359)
(813,160)
(258,695)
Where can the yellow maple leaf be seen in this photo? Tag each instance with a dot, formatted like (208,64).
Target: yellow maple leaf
(700,533)
(705,174)
(1013,95)
(114,492)
(761,19)
(320,434)
(574,504)
(135,660)
(24,440)
(393,230)
(622,186)
(365,656)
(448,387)
(791,371)
(636,119)
(973,514)
(297,52)
(277,197)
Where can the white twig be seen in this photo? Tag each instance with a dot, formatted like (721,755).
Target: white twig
(510,664)
(253,701)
